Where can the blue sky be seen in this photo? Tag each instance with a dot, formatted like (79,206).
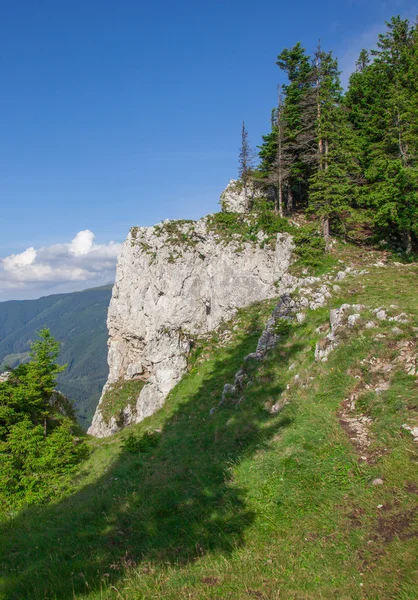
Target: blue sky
(125,113)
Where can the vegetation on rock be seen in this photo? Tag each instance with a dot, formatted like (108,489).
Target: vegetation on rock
(118,396)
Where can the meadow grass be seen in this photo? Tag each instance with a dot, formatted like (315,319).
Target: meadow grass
(241,503)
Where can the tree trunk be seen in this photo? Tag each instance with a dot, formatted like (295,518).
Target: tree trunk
(247,204)
(45,422)
(318,115)
(276,200)
(280,198)
(290,200)
(407,241)
(325,232)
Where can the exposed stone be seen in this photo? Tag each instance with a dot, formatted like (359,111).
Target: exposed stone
(175,281)
(338,319)
(401,318)
(377,481)
(412,430)
(381,314)
(233,197)
(352,320)
(4,376)
(283,311)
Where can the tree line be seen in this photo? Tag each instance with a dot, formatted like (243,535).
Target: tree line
(349,159)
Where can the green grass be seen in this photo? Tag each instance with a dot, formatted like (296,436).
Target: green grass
(241,503)
(118,396)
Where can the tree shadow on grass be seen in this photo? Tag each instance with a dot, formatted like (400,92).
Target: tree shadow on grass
(170,505)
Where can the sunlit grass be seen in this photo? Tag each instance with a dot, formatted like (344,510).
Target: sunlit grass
(242,503)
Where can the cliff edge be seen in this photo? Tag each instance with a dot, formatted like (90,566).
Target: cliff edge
(175,281)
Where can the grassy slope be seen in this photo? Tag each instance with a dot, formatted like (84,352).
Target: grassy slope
(244,504)
(78,320)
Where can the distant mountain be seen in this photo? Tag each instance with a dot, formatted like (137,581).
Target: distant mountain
(78,321)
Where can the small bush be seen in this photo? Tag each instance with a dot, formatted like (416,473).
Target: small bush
(282,327)
(144,443)
(230,225)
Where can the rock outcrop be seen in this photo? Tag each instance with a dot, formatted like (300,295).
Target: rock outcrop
(233,197)
(174,281)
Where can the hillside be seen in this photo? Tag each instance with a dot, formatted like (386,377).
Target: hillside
(78,321)
(301,486)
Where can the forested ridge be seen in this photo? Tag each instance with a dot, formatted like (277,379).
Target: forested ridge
(78,321)
(348,158)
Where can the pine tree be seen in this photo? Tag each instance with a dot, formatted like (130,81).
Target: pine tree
(332,189)
(33,465)
(296,64)
(280,167)
(36,380)
(246,163)
(383,102)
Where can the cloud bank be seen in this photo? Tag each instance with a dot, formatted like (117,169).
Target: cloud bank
(60,267)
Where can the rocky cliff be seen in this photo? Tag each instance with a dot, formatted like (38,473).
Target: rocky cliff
(174,281)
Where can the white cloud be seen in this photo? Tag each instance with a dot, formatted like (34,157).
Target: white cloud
(82,243)
(34,272)
(14,261)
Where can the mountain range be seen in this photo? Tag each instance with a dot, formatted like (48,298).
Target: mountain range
(78,321)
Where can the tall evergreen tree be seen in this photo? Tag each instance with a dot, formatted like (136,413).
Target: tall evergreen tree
(383,102)
(246,163)
(331,184)
(296,64)
(277,170)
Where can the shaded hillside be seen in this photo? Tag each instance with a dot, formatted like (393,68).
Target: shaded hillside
(78,321)
(317,499)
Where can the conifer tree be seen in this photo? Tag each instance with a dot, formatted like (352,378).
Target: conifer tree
(280,168)
(295,63)
(332,187)
(246,163)
(383,102)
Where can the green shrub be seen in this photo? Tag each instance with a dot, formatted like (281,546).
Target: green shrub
(310,250)
(143,443)
(282,326)
(246,226)
(35,468)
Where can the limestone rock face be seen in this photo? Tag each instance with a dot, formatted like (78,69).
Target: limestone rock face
(176,280)
(233,196)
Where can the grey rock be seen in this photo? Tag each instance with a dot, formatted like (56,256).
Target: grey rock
(169,290)
(402,318)
(4,376)
(352,320)
(413,430)
(233,196)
